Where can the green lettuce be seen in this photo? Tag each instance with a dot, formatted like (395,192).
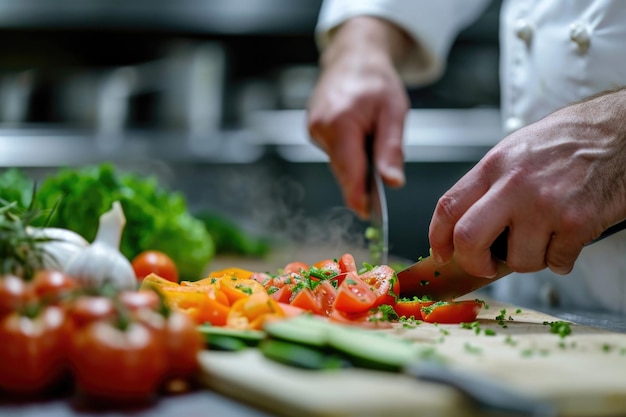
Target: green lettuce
(156,218)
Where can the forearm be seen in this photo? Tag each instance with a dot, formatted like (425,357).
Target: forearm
(368,35)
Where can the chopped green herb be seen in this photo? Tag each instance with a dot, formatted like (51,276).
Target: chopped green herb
(561,328)
(490,332)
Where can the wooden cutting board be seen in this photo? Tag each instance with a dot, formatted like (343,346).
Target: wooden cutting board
(582,374)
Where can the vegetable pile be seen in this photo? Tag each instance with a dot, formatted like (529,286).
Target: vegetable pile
(159,219)
(332,288)
(90,328)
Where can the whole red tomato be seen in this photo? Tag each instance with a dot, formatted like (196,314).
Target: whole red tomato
(32,351)
(124,364)
(183,343)
(13,293)
(51,286)
(152,261)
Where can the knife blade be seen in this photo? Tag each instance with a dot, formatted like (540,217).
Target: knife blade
(446,282)
(377,234)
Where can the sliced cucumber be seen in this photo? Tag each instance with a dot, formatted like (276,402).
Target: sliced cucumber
(304,329)
(301,356)
(223,338)
(373,350)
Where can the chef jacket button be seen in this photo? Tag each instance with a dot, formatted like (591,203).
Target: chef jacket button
(523,30)
(579,34)
(511,124)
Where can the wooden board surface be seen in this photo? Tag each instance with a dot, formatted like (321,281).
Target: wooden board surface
(583,374)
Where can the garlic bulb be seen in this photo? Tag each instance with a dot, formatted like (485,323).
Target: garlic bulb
(63,245)
(102,262)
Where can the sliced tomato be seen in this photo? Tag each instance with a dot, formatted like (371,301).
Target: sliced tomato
(367,319)
(291,310)
(295,267)
(306,300)
(326,294)
(282,295)
(347,263)
(384,283)
(354,295)
(408,308)
(328,268)
(452,311)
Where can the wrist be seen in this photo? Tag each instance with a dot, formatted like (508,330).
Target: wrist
(368,36)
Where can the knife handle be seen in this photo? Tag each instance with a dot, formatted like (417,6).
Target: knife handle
(499,246)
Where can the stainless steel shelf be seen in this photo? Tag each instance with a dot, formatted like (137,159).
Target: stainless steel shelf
(51,147)
(431,135)
(188,16)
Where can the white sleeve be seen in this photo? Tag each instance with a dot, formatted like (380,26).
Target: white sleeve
(433,25)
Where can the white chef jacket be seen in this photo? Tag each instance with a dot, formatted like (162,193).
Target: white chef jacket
(552,53)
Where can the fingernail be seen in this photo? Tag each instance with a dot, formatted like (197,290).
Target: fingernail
(438,259)
(394,175)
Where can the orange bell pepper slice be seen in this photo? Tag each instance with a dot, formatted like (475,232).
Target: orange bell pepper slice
(231,272)
(197,304)
(237,289)
(252,312)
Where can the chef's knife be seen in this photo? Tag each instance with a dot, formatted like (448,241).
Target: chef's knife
(377,233)
(449,281)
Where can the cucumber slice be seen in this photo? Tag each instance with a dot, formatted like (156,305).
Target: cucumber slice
(373,350)
(300,356)
(223,337)
(304,329)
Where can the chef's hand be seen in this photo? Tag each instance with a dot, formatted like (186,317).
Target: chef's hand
(556,184)
(359,93)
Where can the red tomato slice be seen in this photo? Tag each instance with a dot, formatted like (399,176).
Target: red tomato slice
(354,295)
(295,267)
(283,294)
(452,311)
(384,283)
(328,266)
(347,263)
(326,294)
(367,319)
(410,308)
(306,299)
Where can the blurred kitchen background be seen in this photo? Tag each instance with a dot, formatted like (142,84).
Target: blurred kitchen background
(209,95)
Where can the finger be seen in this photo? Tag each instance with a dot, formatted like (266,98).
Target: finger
(348,162)
(475,232)
(388,153)
(562,252)
(527,244)
(449,209)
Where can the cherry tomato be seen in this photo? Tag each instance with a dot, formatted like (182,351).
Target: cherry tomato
(121,365)
(135,300)
(452,311)
(328,267)
(347,263)
(32,356)
(408,308)
(159,263)
(295,267)
(383,281)
(326,294)
(305,299)
(87,309)
(354,295)
(13,293)
(51,286)
(366,319)
(182,343)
